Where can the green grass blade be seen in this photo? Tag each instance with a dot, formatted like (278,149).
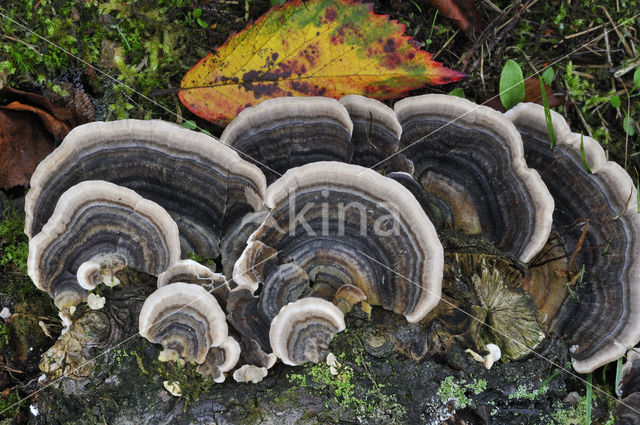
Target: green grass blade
(547,114)
(583,156)
(587,418)
(618,377)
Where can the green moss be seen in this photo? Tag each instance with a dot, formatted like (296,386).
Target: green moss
(192,384)
(14,246)
(202,260)
(457,391)
(7,408)
(124,50)
(4,335)
(14,249)
(349,393)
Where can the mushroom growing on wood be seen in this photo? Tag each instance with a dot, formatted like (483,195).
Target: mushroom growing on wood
(190,271)
(598,227)
(96,229)
(471,158)
(185,319)
(350,226)
(282,133)
(202,183)
(302,331)
(376,130)
(220,360)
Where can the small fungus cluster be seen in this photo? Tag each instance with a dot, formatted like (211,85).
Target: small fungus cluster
(340,203)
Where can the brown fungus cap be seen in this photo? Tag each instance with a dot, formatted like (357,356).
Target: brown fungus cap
(347,296)
(353,226)
(190,271)
(251,268)
(376,130)
(185,319)
(220,360)
(287,132)
(302,331)
(96,228)
(286,283)
(472,159)
(235,239)
(597,220)
(202,183)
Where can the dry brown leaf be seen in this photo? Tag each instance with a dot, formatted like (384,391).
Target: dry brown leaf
(30,124)
(24,142)
(464,13)
(531,94)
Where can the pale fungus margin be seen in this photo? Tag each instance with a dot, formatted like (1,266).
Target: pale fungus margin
(96,229)
(599,228)
(471,158)
(288,274)
(202,183)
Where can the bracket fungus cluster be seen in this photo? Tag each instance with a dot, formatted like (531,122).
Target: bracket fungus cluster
(98,228)
(328,234)
(204,186)
(598,227)
(186,319)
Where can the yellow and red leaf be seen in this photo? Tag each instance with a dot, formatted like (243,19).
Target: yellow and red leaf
(311,48)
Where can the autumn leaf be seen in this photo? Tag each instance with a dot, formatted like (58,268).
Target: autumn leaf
(311,48)
(464,13)
(30,124)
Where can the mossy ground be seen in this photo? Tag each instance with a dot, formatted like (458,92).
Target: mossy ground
(130,56)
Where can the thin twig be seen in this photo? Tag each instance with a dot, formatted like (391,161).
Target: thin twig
(615,28)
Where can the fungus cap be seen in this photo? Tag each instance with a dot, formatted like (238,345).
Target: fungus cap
(220,360)
(598,221)
(354,226)
(286,132)
(98,226)
(185,319)
(472,158)
(376,130)
(202,183)
(190,271)
(302,331)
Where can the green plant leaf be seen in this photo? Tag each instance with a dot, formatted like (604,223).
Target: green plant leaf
(636,79)
(511,85)
(628,125)
(189,124)
(547,114)
(197,13)
(583,156)
(457,92)
(615,101)
(202,23)
(548,76)
(618,377)
(587,419)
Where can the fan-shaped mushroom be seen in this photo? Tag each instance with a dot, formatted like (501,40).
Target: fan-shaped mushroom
(202,183)
(250,373)
(471,158)
(96,229)
(302,331)
(185,319)
(598,225)
(235,239)
(282,133)
(376,130)
(220,360)
(345,224)
(190,271)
